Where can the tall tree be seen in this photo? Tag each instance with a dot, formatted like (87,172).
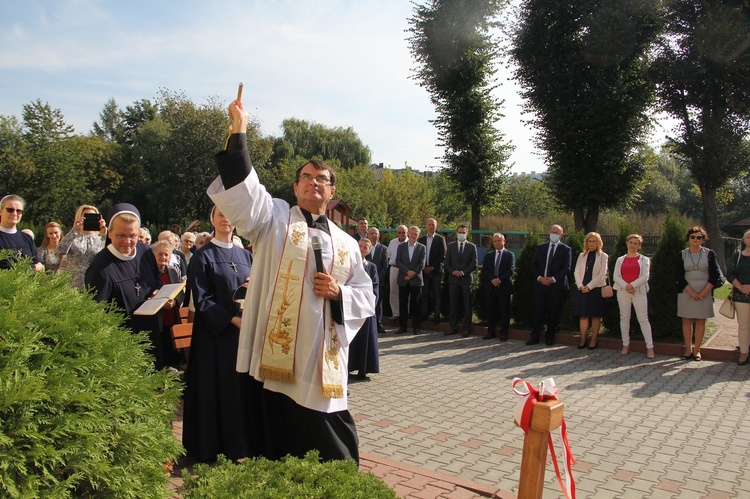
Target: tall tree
(313,140)
(703,70)
(584,70)
(453,45)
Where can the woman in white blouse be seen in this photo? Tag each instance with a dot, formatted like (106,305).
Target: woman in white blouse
(590,275)
(631,283)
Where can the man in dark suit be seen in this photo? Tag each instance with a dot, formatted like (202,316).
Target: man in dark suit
(379,256)
(460,263)
(410,259)
(551,267)
(497,269)
(433,271)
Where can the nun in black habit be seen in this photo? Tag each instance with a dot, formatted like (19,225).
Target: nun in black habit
(364,356)
(214,415)
(125,273)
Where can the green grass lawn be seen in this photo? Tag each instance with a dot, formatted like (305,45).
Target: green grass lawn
(722,292)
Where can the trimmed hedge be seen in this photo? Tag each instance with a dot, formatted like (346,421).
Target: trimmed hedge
(82,413)
(289,477)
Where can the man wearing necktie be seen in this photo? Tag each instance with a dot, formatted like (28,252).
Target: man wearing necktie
(460,263)
(551,265)
(497,269)
(433,271)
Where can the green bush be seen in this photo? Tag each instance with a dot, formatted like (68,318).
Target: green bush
(662,297)
(289,477)
(82,414)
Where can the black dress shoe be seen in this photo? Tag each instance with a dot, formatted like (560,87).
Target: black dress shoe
(452,331)
(550,343)
(466,334)
(401,330)
(532,342)
(503,336)
(488,336)
(416,331)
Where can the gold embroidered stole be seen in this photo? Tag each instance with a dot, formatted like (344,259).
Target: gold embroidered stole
(280,339)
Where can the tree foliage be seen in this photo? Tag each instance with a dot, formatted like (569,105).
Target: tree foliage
(584,71)
(703,70)
(453,45)
(313,140)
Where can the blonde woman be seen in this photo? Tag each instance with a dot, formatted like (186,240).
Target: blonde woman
(590,275)
(79,247)
(738,273)
(48,250)
(631,283)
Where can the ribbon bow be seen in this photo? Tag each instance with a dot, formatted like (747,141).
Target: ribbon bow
(522,415)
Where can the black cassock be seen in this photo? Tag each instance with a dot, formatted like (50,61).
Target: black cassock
(128,283)
(214,418)
(363,350)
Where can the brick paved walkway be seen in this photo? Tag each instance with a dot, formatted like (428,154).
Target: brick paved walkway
(438,420)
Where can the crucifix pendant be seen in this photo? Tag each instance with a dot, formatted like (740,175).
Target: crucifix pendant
(234,266)
(137,289)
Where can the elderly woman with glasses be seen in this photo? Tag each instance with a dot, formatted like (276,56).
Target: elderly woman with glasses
(11,211)
(697,274)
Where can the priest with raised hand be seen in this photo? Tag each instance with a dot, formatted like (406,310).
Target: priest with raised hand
(297,322)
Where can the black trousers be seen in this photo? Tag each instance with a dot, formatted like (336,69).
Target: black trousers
(431,297)
(409,298)
(460,290)
(547,307)
(498,311)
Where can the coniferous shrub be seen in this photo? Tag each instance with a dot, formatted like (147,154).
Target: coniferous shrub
(662,296)
(82,413)
(289,477)
(522,300)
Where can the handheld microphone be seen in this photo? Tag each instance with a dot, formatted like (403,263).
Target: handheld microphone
(316,245)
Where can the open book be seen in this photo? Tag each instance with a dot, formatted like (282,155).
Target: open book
(166,293)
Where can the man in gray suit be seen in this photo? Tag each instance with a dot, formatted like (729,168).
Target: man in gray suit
(460,263)
(410,260)
(379,256)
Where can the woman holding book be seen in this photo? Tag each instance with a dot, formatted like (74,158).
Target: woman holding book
(170,311)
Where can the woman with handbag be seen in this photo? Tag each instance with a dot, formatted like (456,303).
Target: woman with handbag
(590,275)
(738,273)
(631,283)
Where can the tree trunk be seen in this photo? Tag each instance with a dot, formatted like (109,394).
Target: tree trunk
(711,224)
(476,222)
(578,219)
(586,222)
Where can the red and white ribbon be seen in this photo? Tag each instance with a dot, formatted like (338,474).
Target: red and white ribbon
(530,395)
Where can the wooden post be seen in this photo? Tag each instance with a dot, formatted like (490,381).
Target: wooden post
(545,417)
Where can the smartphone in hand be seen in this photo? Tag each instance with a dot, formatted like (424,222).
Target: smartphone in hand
(91,221)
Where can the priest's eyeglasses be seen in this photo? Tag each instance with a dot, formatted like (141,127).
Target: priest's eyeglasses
(320,179)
